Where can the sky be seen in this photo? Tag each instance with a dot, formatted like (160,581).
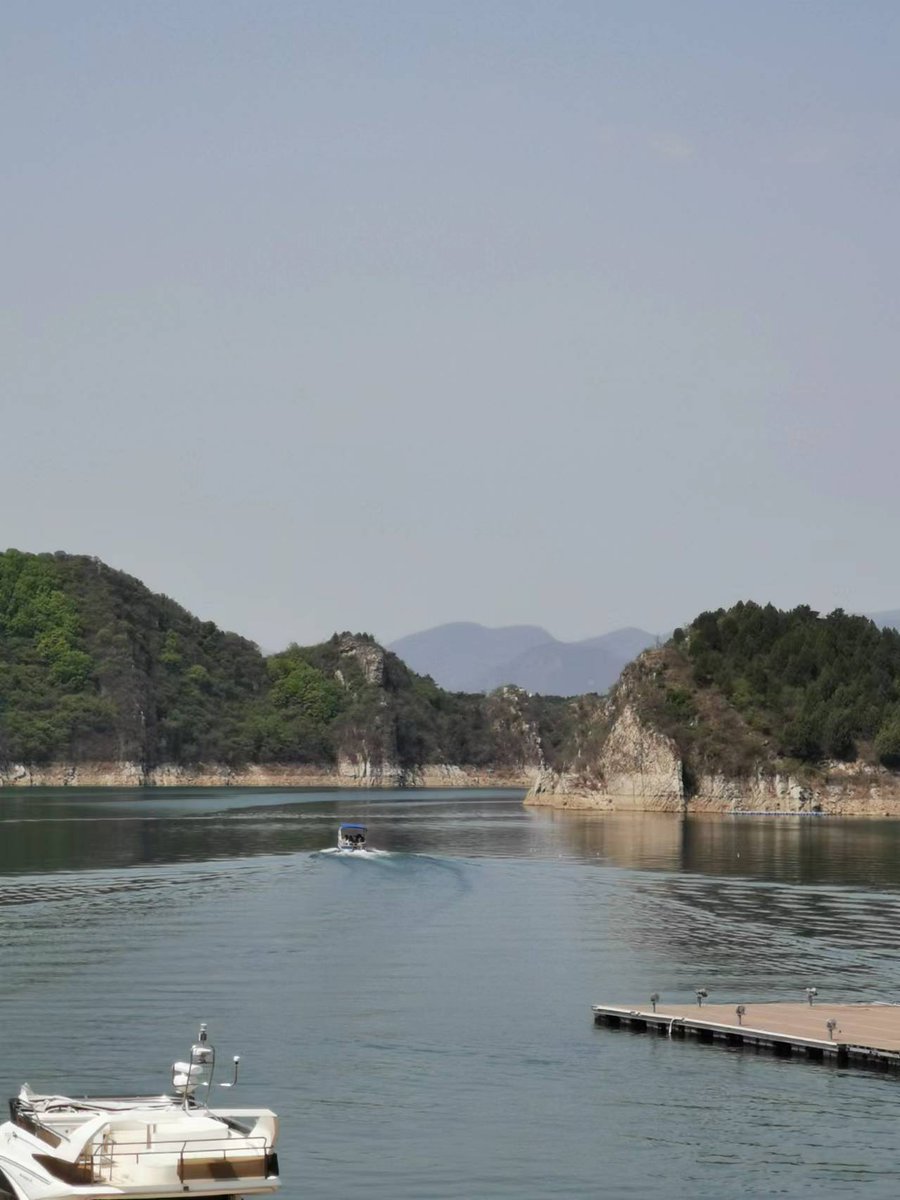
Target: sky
(371,316)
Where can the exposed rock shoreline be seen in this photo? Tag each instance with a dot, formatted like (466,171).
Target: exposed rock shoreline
(639,769)
(345,774)
(653,784)
(781,795)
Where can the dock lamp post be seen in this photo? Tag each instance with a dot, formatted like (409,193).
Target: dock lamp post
(702,993)
(653,999)
(740,1010)
(831,1025)
(811,994)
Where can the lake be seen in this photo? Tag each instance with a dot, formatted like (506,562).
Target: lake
(421,1021)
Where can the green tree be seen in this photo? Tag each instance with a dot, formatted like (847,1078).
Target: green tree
(887,740)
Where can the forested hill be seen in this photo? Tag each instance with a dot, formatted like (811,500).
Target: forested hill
(96,668)
(752,684)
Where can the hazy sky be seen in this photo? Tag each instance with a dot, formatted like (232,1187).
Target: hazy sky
(376,315)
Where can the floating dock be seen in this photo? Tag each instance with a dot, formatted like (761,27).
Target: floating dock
(862,1034)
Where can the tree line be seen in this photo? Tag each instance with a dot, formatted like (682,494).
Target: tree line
(95,667)
(819,687)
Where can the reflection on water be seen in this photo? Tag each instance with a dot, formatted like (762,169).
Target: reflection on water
(433,1004)
(761,907)
(792,849)
(48,829)
(54,829)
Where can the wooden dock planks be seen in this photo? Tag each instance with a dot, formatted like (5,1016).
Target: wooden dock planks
(861,1033)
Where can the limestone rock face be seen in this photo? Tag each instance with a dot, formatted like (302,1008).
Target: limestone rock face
(361,771)
(94,774)
(451,775)
(348,773)
(517,737)
(758,793)
(564,789)
(368,656)
(638,768)
(641,767)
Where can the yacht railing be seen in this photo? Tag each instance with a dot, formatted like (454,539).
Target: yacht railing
(210,1161)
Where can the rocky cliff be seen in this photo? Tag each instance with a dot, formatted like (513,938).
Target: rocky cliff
(658,745)
(619,760)
(637,767)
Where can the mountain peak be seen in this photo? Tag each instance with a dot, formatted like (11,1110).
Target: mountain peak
(466,656)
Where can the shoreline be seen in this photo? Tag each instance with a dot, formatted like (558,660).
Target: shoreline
(23,776)
(824,802)
(875,796)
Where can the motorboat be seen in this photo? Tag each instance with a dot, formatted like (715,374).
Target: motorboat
(57,1147)
(351,837)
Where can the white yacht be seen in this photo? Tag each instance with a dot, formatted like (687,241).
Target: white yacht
(146,1147)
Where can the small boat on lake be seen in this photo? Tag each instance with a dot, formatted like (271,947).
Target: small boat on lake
(351,836)
(58,1147)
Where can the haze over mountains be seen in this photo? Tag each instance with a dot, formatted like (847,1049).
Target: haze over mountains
(466,657)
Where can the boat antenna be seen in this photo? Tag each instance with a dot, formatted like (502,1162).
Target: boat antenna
(198,1071)
(206,1056)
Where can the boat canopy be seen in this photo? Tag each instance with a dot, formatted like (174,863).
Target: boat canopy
(350,825)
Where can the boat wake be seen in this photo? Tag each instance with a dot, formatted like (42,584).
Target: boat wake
(341,853)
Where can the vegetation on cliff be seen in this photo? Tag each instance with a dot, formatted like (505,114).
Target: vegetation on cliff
(94,666)
(749,686)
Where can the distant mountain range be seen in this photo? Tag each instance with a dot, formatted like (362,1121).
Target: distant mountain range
(467,657)
(464,656)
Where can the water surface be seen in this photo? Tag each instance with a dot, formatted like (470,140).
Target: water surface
(421,1022)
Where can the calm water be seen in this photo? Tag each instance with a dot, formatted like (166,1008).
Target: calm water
(421,1022)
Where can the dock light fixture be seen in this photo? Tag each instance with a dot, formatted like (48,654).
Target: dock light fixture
(811,994)
(740,1010)
(654,996)
(702,993)
(831,1026)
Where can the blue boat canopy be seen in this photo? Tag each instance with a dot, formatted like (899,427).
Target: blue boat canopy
(349,825)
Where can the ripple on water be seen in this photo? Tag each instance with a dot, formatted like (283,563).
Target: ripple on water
(432,1008)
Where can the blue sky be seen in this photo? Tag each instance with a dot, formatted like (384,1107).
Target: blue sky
(373,316)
